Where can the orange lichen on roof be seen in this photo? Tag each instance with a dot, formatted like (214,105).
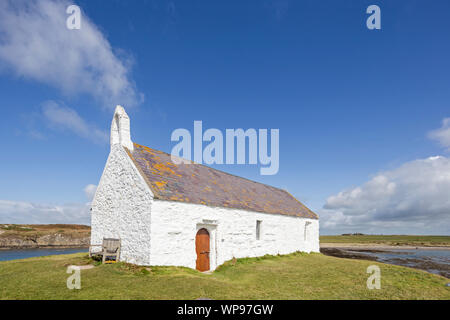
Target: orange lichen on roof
(196,183)
(160,184)
(162,168)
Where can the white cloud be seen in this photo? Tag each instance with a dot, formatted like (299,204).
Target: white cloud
(24,212)
(414,198)
(68,119)
(89,190)
(442,135)
(35,44)
(21,212)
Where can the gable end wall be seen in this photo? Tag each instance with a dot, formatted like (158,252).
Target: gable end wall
(121,208)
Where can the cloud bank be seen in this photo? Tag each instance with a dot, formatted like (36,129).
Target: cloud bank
(36,44)
(24,212)
(413,198)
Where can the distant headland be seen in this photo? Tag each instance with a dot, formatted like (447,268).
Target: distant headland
(27,236)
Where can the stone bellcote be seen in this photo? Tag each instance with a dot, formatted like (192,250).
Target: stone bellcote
(120,129)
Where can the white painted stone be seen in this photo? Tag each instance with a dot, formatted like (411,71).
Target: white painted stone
(120,129)
(121,208)
(232,231)
(156,232)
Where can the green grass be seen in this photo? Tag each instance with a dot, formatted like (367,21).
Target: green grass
(295,276)
(395,240)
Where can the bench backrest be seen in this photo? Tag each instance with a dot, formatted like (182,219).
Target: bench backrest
(110,244)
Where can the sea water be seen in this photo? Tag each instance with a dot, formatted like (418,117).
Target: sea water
(14,254)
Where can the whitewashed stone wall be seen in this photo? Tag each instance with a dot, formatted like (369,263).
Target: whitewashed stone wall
(233,233)
(156,232)
(120,129)
(121,208)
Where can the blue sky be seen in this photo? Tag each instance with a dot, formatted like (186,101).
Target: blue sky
(359,111)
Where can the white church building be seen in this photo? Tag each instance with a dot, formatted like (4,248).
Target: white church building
(189,214)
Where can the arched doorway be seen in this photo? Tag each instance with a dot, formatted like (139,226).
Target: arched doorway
(202,249)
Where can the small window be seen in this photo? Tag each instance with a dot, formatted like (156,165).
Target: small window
(307,223)
(258,229)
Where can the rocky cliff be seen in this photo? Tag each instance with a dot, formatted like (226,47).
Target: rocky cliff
(38,236)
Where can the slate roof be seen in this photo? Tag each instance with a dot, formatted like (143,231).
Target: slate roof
(199,184)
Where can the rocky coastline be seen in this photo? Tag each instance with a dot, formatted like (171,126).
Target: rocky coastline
(40,236)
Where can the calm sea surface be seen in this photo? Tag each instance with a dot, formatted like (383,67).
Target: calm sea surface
(29,253)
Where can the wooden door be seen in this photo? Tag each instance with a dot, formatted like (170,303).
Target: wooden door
(202,249)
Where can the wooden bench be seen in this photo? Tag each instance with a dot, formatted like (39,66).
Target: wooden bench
(110,249)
